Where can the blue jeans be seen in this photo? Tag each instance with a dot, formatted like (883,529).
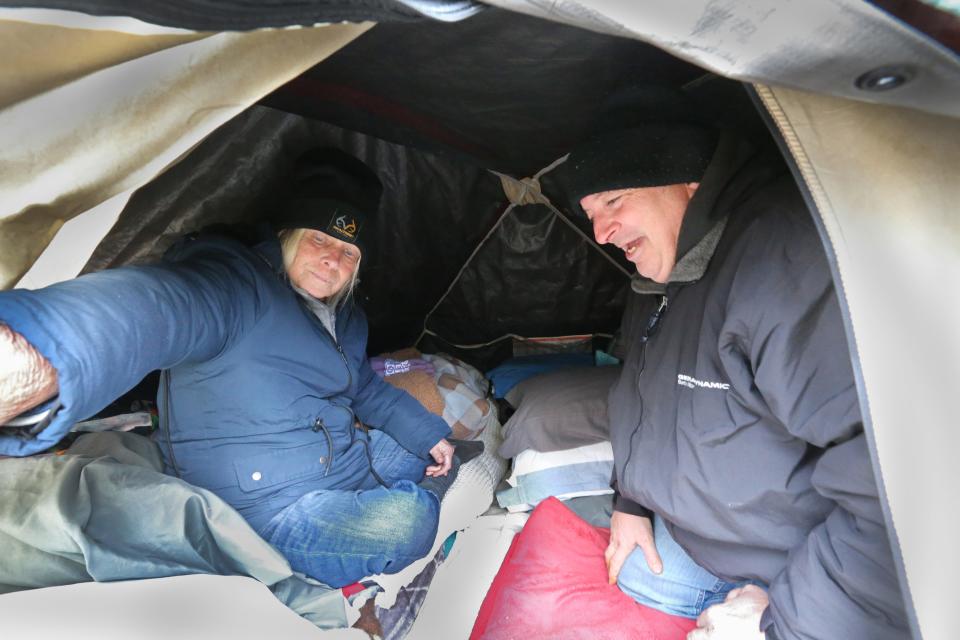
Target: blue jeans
(683,589)
(340,536)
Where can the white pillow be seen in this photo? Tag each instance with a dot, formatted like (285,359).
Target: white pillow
(571,473)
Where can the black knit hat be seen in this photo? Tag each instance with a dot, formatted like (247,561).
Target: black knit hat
(647,137)
(333,192)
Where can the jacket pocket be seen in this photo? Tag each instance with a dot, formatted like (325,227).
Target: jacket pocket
(274,469)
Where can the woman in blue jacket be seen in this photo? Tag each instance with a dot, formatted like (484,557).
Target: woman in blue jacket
(266,396)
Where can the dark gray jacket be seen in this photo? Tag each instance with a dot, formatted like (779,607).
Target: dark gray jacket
(738,422)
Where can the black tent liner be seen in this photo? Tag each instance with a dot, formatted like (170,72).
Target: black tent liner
(436,109)
(504,90)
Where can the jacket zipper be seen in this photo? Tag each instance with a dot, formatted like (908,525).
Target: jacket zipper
(653,323)
(319,424)
(353,417)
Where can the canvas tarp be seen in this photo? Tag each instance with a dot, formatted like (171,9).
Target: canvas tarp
(821,46)
(73,141)
(882,181)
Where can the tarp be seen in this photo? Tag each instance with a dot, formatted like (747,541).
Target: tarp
(881,180)
(73,141)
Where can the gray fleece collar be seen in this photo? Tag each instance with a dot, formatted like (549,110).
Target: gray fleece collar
(324,313)
(689,268)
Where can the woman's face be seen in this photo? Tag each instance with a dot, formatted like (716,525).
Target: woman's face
(323,265)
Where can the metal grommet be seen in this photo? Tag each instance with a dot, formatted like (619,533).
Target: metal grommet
(885,78)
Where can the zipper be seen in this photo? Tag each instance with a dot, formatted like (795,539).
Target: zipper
(319,424)
(336,343)
(343,357)
(653,323)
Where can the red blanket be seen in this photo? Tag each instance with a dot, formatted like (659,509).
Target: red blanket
(553,584)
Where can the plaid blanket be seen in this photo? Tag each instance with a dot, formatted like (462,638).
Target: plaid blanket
(467,407)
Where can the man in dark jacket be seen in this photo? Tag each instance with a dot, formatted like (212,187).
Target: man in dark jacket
(265,378)
(742,469)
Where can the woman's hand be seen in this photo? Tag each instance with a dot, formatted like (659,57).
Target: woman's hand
(626,533)
(442,453)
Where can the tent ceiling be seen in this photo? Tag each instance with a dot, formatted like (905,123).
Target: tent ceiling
(511,92)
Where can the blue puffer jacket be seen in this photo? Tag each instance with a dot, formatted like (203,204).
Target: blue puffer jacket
(262,400)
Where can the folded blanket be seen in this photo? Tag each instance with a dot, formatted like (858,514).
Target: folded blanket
(466,405)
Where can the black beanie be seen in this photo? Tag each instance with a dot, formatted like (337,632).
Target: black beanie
(646,137)
(333,192)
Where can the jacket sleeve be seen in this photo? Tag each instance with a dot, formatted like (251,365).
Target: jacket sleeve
(381,405)
(104,332)
(840,582)
(624,504)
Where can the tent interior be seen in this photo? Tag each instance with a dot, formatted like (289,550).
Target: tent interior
(479,249)
(453,117)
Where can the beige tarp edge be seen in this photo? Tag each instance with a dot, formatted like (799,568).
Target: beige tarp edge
(822,46)
(70,148)
(883,179)
(75,20)
(66,54)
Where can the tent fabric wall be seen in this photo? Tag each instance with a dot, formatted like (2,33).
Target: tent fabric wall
(536,273)
(446,238)
(78,141)
(883,182)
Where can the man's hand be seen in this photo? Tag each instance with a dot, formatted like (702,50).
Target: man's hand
(627,532)
(26,377)
(738,618)
(442,453)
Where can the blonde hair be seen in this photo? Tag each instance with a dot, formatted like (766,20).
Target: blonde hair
(290,242)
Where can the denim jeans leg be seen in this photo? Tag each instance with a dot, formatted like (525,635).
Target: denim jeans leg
(683,589)
(341,536)
(392,462)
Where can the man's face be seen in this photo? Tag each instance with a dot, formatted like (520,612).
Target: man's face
(323,265)
(644,223)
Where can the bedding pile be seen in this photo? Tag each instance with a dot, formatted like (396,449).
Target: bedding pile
(558,436)
(467,408)
(104,510)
